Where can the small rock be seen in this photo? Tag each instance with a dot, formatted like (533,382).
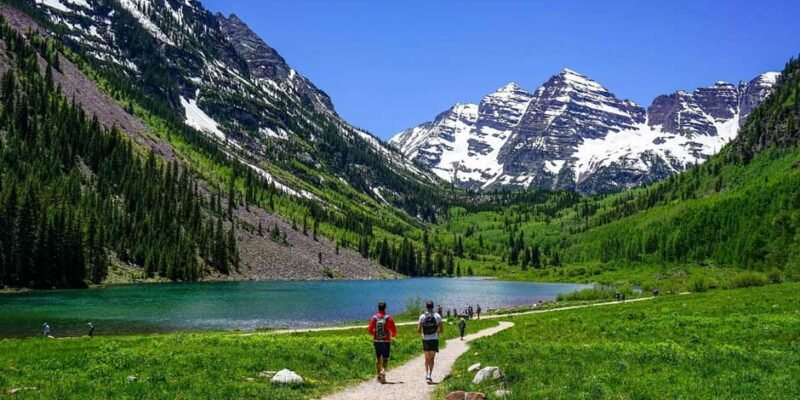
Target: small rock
(502,393)
(250,379)
(487,373)
(17,390)
(457,395)
(462,395)
(131,379)
(474,367)
(267,374)
(286,377)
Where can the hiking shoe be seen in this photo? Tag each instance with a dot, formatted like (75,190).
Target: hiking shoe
(382,379)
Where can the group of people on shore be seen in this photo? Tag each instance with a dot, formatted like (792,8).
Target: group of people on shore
(467,312)
(46,330)
(430,326)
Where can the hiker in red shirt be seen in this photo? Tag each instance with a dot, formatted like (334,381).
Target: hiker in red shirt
(382,329)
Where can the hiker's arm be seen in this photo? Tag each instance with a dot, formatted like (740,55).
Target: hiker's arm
(392,328)
(441,327)
(371,327)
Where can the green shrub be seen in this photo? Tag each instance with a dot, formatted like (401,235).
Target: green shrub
(775,276)
(702,284)
(595,293)
(748,279)
(414,306)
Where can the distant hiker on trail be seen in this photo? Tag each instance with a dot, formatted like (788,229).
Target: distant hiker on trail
(462,327)
(430,326)
(655,292)
(46,330)
(439,310)
(478,310)
(91,329)
(382,329)
(469,312)
(448,313)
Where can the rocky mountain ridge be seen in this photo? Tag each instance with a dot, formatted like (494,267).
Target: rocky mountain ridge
(229,84)
(573,133)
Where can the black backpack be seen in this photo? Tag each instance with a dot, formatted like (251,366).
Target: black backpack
(429,325)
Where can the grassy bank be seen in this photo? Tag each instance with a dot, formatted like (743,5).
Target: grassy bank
(193,365)
(742,344)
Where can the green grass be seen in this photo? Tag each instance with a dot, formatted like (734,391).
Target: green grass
(195,365)
(740,344)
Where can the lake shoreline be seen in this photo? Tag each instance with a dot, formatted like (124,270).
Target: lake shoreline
(491,314)
(252,305)
(157,281)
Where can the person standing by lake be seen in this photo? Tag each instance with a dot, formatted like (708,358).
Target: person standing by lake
(478,311)
(430,326)
(46,330)
(462,327)
(91,329)
(382,329)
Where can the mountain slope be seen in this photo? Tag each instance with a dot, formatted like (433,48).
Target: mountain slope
(268,246)
(231,85)
(572,133)
(738,210)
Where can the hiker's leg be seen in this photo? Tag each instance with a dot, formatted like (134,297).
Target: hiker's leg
(379,364)
(427,362)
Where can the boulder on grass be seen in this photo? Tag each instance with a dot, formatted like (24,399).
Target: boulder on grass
(474,367)
(487,373)
(287,377)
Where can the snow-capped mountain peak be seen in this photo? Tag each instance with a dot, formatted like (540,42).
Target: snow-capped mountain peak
(510,87)
(573,133)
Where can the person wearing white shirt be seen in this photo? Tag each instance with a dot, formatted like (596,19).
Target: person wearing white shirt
(430,327)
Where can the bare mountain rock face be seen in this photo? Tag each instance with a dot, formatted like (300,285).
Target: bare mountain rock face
(573,133)
(264,63)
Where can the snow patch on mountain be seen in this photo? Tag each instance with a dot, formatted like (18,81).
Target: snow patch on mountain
(198,119)
(133,8)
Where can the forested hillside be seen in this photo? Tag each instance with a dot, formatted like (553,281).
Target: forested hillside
(82,191)
(75,194)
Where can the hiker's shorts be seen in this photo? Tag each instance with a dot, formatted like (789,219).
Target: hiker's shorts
(382,349)
(430,345)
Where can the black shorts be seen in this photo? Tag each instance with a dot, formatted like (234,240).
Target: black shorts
(382,350)
(430,345)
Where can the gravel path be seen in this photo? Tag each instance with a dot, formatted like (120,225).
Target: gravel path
(407,382)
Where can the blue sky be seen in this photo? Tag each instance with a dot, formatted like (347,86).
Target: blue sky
(389,65)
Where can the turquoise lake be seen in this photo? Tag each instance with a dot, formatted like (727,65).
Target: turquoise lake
(248,305)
